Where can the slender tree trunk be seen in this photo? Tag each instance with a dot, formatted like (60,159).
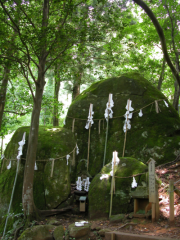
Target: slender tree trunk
(56,94)
(76,90)
(28,200)
(161,78)
(176,85)
(3,90)
(77,83)
(29,207)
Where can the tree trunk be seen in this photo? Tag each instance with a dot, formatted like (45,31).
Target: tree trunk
(176,85)
(3,90)
(29,207)
(76,90)
(27,196)
(161,78)
(77,83)
(176,95)
(56,94)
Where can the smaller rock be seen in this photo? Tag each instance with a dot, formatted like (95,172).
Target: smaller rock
(103,231)
(53,221)
(58,233)
(95,227)
(117,218)
(79,232)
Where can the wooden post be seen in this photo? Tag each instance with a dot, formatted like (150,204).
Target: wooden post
(171,201)
(90,115)
(125,132)
(157,203)
(152,187)
(113,236)
(112,182)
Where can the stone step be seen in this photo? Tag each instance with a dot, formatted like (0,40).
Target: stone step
(128,236)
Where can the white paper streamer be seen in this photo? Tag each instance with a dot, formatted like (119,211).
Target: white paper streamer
(77,150)
(67,158)
(80,224)
(35,167)
(2,156)
(64,122)
(21,144)
(109,105)
(140,113)
(115,161)
(104,176)
(128,115)
(79,184)
(134,183)
(86,185)
(166,103)
(90,117)
(9,166)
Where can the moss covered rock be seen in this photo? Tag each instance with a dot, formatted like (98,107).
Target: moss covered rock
(152,135)
(99,191)
(58,233)
(49,192)
(41,232)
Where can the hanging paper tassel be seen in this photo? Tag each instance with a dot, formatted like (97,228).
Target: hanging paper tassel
(128,115)
(73,122)
(2,156)
(134,183)
(52,167)
(90,117)
(9,166)
(67,158)
(21,144)
(86,185)
(79,184)
(140,113)
(35,166)
(77,149)
(166,103)
(64,122)
(108,111)
(115,161)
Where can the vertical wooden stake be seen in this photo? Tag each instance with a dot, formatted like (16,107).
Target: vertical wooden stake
(88,146)
(157,203)
(113,236)
(171,201)
(153,212)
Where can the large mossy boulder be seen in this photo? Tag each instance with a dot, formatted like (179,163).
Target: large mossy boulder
(49,191)
(155,135)
(100,188)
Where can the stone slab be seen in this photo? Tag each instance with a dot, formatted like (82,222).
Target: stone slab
(127,236)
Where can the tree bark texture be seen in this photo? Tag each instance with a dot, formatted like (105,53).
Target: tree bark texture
(29,208)
(77,83)
(3,90)
(161,78)
(56,94)
(76,90)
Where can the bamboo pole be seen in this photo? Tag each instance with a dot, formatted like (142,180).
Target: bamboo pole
(106,141)
(171,201)
(88,146)
(125,133)
(112,184)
